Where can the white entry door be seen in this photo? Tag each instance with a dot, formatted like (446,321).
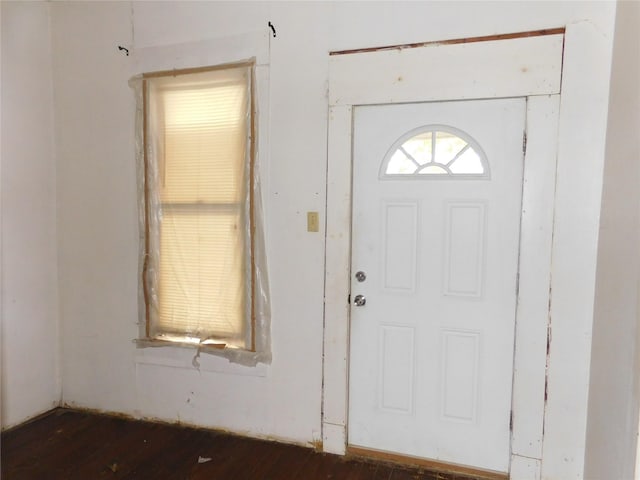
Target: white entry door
(437,191)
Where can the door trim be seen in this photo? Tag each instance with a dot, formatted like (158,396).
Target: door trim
(502,36)
(532,68)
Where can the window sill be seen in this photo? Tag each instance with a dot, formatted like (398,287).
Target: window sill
(208,358)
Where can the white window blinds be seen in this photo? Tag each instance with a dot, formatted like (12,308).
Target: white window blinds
(198,128)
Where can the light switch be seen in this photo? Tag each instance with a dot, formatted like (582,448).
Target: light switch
(313,222)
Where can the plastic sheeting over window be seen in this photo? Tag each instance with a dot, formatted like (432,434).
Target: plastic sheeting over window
(203,277)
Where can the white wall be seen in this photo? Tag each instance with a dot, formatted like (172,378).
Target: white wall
(97,223)
(30,342)
(613,395)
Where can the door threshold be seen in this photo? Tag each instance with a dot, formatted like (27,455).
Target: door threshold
(362,452)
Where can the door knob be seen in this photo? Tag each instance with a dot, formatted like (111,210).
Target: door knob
(359,300)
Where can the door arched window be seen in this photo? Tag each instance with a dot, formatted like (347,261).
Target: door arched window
(435,152)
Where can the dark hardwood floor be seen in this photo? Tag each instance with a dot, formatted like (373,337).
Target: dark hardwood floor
(68,444)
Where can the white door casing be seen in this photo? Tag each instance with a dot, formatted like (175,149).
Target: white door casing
(497,64)
(431,350)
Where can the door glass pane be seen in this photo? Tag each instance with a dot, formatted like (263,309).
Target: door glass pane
(435,152)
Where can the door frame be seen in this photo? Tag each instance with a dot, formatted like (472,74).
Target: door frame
(522,65)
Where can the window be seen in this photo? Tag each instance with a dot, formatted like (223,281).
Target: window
(435,151)
(198,273)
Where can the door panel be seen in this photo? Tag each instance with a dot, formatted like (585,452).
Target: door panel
(431,350)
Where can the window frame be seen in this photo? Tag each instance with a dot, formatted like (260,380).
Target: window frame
(147,279)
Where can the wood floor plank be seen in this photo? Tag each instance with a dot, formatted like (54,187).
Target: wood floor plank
(148,457)
(264,456)
(19,438)
(49,453)
(139,454)
(400,473)
(322,465)
(289,464)
(73,445)
(228,454)
(366,471)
